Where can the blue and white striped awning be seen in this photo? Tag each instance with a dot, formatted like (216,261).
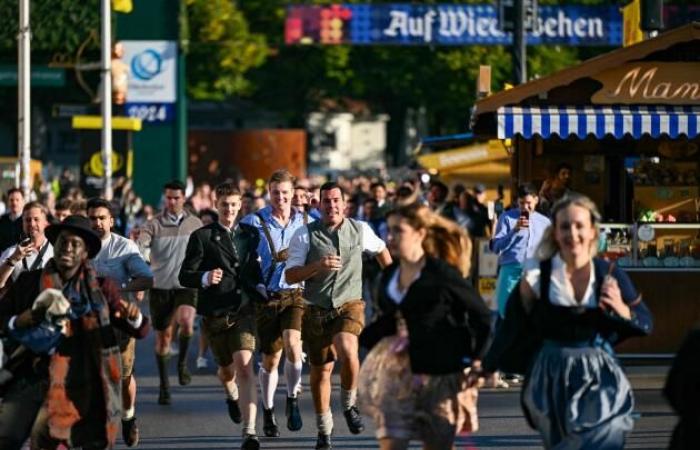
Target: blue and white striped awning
(617,121)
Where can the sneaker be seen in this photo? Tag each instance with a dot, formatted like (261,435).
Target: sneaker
(323,442)
(354,420)
(294,422)
(234,412)
(270,427)
(163,396)
(202,363)
(183,375)
(250,442)
(130,432)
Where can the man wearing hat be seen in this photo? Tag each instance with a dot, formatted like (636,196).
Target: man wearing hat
(65,368)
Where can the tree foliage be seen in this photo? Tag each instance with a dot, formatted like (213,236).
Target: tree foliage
(221,49)
(57,25)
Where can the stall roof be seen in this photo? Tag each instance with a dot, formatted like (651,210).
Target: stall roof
(560,103)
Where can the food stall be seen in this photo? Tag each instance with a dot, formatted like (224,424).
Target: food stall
(628,124)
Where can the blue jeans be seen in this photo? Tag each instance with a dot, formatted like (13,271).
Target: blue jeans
(508,277)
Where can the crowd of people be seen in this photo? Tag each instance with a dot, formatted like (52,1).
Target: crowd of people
(287,267)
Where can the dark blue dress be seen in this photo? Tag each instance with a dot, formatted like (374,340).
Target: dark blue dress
(575,393)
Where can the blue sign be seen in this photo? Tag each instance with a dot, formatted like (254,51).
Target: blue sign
(151,112)
(447,24)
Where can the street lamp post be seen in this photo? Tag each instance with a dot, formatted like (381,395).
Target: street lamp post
(106,70)
(23,98)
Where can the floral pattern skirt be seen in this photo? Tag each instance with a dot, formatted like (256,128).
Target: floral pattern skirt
(429,408)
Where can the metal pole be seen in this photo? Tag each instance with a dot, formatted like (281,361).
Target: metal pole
(24,71)
(519,44)
(106,69)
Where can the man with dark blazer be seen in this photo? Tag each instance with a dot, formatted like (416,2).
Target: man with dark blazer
(222,262)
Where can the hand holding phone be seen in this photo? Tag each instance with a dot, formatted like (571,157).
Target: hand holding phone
(524,219)
(23,249)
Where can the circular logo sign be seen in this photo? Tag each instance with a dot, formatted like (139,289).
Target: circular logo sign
(146,64)
(645,233)
(95,168)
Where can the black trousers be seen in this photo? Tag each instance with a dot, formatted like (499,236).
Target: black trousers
(18,410)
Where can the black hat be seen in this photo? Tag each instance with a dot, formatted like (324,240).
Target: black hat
(79,225)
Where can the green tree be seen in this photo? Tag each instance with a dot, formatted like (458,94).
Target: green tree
(221,50)
(57,25)
(295,79)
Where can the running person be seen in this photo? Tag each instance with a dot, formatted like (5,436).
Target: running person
(327,254)
(120,260)
(165,237)
(279,319)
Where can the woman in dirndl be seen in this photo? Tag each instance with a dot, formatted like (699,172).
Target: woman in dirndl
(575,393)
(431,329)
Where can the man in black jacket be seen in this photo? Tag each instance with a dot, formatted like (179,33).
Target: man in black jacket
(222,262)
(11,222)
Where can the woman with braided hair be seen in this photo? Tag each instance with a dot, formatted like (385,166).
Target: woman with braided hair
(432,327)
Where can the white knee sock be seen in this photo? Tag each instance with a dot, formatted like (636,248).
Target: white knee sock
(348,398)
(231,390)
(129,413)
(268,386)
(248,428)
(292,372)
(324,422)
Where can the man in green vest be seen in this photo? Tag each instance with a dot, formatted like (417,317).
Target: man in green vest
(327,256)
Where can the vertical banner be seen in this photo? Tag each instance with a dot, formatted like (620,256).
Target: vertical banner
(631,15)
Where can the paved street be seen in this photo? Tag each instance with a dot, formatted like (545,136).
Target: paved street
(197,418)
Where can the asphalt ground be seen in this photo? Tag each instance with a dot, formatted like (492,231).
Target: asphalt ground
(197,418)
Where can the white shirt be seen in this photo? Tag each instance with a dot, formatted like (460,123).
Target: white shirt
(561,291)
(19,267)
(120,259)
(299,245)
(394,291)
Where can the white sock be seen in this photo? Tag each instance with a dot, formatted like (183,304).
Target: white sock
(348,398)
(129,413)
(292,372)
(248,428)
(231,390)
(324,422)
(268,386)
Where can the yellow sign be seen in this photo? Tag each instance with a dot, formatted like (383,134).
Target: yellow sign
(465,156)
(487,290)
(631,33)
(642,83)
(123,6)
(487,286)
(95,168)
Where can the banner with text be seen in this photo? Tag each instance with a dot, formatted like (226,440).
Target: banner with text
(447,24)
